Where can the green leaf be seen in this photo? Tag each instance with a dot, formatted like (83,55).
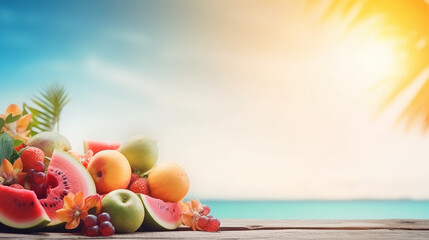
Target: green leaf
(45,125)
(15,155)
(11,119)
(47,108)
(22,150)
(6,146)
(17,142)
(2,123)
(44,105)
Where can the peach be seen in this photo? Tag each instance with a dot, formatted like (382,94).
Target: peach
(110,170)
(168,182)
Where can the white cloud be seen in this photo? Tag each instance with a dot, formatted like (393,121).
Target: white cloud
(172,93)
(125,78)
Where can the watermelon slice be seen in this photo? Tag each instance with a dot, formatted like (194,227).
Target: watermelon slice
(97,146)
(160,215)
(65,175)
(20,208)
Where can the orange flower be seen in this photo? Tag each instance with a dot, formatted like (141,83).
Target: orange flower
(10,174)
(191,211)
(16,129)
(93,201)
(76,208)
(73,210)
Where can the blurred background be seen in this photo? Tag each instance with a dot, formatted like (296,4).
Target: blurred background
(265,103)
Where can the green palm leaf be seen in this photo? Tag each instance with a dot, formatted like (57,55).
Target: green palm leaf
(47,109)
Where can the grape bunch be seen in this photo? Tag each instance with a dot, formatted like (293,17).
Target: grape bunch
(98,225)
(207,222)
(37,179)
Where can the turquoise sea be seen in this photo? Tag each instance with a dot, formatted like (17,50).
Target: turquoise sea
(359,209)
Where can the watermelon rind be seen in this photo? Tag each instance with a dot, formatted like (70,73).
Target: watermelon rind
(24,229)
(36,224)
(151,222)
(85,177)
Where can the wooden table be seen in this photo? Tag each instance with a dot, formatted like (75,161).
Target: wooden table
(276,229)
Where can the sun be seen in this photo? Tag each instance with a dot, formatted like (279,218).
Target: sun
(406,23)
(358,65)
(373,60)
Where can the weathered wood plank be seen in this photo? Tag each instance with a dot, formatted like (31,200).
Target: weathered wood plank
(246,224)
(291,234)
(275,229)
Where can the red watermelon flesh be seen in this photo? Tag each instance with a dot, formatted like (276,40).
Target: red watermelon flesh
(160,215)
(65,174)
(20,208)
(97,146)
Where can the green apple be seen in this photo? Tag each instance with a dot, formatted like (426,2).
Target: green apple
(141,152)
(125,208)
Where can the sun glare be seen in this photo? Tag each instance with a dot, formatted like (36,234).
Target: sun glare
(406,23)
(364,64)
(373,60)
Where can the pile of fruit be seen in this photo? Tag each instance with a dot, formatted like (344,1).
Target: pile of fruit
(109,188)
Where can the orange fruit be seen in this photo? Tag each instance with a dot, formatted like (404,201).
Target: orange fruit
(110,170)
(168,182)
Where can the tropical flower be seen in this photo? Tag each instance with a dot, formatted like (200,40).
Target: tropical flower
(76,208)
(10,174)
(17,129)
(93,201)
(191,212)
(73,210)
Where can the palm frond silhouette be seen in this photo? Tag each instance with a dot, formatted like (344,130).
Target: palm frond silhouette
(407,22)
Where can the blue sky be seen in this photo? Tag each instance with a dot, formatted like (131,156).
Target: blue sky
(254,101)
(63,33)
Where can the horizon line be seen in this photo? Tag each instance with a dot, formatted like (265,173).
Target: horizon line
(310,200)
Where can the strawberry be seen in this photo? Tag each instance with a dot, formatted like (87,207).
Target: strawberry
(134,176)
(140,185)
(31,155)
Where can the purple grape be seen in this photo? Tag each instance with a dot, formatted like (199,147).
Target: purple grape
(206,210)
(92,231)
(39,177)
(103,217)
(30,175)
(39,190)
(213,225)
(203,222)
(106,228)
(90,220)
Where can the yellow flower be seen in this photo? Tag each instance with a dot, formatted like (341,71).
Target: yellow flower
(10,174)
(17,129)
(73,210)
(191,211)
